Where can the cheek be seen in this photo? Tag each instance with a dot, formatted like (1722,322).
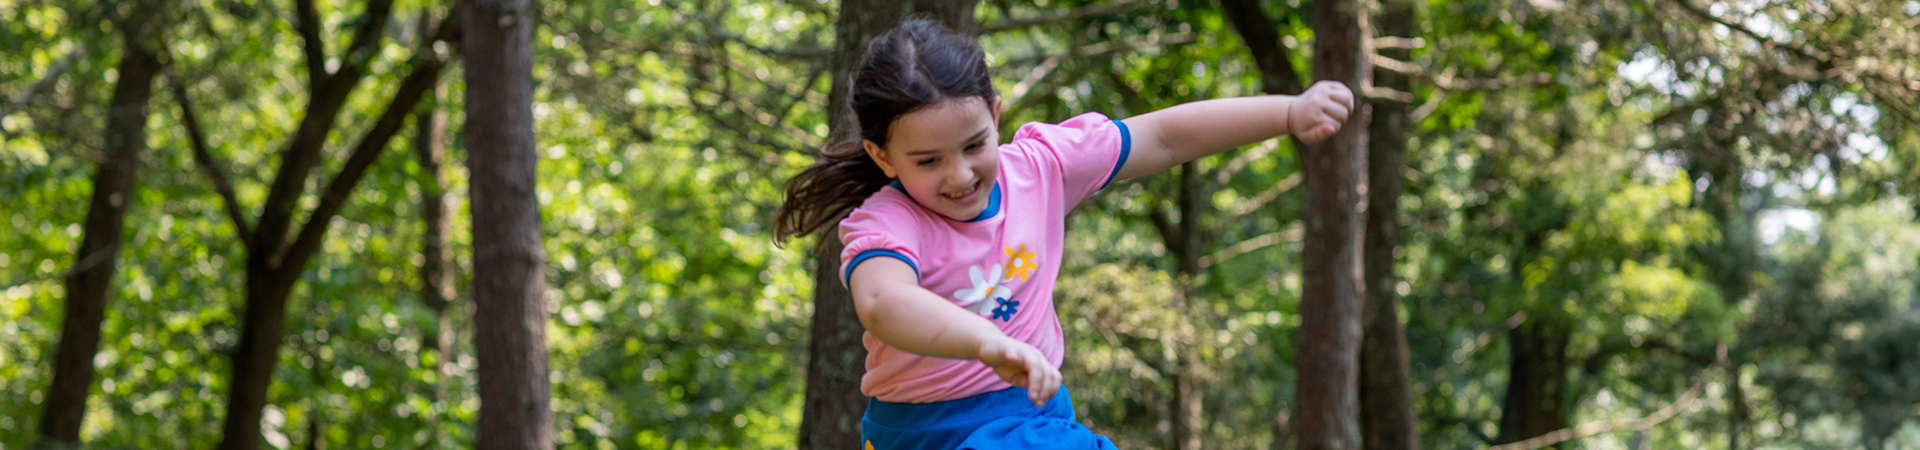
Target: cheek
(987,162)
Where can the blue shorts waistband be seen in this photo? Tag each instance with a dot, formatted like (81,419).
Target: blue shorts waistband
(1002,403)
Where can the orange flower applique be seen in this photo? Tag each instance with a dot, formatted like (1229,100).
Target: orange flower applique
(1019,262)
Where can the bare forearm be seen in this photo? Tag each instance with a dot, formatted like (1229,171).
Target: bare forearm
(1187,131)
(908,317)
(922,323)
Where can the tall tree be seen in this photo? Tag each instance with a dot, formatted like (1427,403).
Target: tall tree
(436,275)
(1386,403)
(1328,342)
(1261,35)
(830,417)
(88,281)
(509,289)
(275,262)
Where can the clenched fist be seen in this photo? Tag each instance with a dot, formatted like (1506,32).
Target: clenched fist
(1317,113)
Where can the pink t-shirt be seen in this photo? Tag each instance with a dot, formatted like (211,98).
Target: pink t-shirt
(1000,265)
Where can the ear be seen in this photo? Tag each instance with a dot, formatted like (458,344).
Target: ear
(879,156)
(997,108)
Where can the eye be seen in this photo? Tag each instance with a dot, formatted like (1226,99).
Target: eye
(927,162)
(974,147)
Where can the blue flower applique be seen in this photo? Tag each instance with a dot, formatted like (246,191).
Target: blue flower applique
(1006,310)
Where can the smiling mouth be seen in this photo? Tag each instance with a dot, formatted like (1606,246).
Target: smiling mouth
(963,195)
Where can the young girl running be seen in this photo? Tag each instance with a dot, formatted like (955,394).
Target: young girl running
(954,239)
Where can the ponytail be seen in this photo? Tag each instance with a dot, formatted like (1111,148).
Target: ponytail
(842,179)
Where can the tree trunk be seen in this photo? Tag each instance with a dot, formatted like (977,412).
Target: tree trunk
(833,406)
(509,280)
(1386,403)
(1277,77)
(436,278)
(1328,342)
(1188,406)
(1536,384)
(274,264)
(88,281)
(1731,262)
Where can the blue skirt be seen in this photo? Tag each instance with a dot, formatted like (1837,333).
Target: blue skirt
(1004,419)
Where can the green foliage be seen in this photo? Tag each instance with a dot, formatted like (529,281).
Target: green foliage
(667,129)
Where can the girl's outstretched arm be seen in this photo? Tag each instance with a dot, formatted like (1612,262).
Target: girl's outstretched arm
(908,317)
(1165,138)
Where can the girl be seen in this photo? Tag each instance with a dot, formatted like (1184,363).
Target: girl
(953,240)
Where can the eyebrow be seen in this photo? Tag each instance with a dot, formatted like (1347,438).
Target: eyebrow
(968,140)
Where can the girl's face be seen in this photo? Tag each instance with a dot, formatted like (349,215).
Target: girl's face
(946,155)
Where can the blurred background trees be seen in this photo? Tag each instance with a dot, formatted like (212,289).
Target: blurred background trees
(1641,224)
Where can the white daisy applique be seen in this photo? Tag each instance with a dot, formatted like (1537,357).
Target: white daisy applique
(986,291)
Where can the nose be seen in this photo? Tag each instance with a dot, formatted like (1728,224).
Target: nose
(960,174)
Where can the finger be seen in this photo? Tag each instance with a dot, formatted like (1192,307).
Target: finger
(1047,390)
(1340,110)
(1339,89)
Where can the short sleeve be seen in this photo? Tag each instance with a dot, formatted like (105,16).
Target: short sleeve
(1087,150)
(878,229)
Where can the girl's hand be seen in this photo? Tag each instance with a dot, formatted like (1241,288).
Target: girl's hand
(1317,113)
(1023,365)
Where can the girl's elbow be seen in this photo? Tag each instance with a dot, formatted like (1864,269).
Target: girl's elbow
(865,306)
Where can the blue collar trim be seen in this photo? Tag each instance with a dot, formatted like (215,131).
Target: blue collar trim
(993,201)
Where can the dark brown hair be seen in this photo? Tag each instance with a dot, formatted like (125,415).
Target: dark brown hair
(917,64)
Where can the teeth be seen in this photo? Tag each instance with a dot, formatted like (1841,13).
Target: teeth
(976,187)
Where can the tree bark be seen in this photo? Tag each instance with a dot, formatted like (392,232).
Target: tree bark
(1537,380)
(436,276)
(1188,406)
(1262,37)
(274,263)
(88,282)
(1328,342)
(1386,402)
(1731,264)
(509,280)
(833,406)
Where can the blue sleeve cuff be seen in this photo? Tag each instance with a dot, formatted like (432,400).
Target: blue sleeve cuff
(865,255)
(1126,146)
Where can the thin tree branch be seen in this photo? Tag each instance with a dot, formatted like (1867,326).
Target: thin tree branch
(99,255)
(1115,7)
(1427,109)
(1292,233)
(302,152)
(1240,162)
(1895,102)
(1386,94)
(426,69)
(1392,42)
(1604,426)
(1024,93)
(316,49)
(1445,79)
(53,74)
(1263,41)
(204,157)
(366,39)
(1265,197)
(1802,51)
